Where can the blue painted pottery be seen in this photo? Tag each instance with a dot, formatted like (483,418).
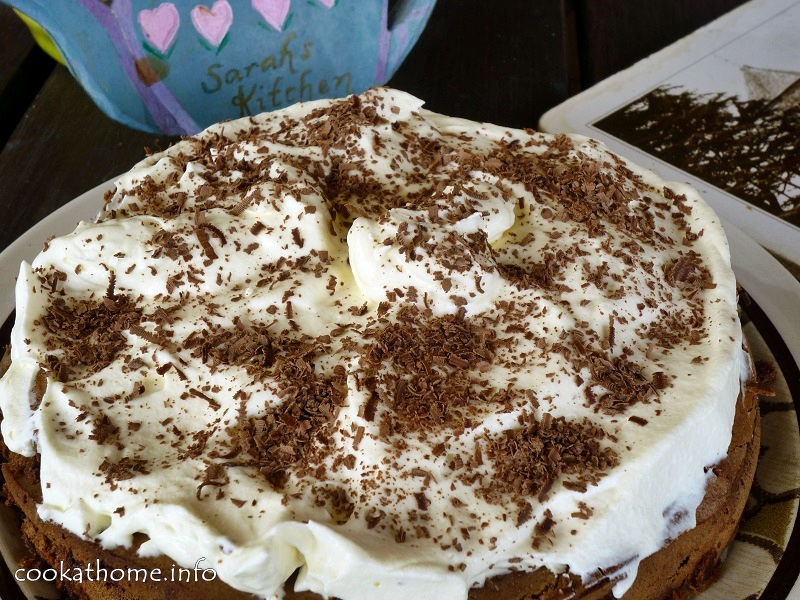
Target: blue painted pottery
(179,66)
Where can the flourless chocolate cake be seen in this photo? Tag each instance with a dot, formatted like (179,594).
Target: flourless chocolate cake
(356,349)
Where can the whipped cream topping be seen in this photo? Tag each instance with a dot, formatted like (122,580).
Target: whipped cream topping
(400,352)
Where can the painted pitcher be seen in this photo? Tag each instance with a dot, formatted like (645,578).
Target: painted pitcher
(179,66)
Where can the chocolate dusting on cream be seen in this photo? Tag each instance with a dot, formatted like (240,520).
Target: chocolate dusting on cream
(528,460)
(285,438)
(86,335)
(422,372)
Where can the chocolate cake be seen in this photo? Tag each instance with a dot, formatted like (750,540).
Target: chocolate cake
(355,349)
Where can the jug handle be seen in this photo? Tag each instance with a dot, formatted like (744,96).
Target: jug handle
(409,19)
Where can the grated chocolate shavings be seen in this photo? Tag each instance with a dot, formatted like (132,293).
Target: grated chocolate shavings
(88,335)
(432,378)
(527,461)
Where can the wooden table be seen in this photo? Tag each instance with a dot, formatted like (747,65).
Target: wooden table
(505,62)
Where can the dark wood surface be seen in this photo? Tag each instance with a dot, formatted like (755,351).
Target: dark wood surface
(504,62)
(614,34)
(23,68)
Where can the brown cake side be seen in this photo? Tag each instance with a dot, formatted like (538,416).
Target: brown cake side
(687,564)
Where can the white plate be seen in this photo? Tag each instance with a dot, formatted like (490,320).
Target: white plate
(772,287)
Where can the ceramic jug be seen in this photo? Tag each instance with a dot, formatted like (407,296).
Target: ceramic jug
(179,66)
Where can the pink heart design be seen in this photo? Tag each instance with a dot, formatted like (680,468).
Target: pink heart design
(327,3)
(273,11)
(213,23)
(160,25)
